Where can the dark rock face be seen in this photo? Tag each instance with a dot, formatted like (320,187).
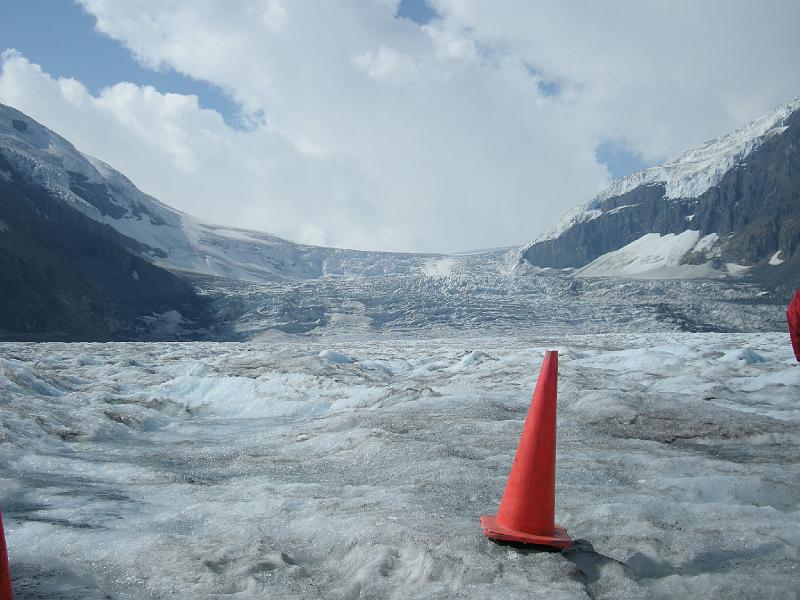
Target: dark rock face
(67,277)
(95,194)
(640,211)
(755,209)
(758,202)
(102,198)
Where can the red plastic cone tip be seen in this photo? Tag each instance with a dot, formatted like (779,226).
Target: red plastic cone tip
(793,319)
(527,510)
(5,576)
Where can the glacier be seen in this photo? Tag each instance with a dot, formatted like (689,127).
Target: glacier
(278,469)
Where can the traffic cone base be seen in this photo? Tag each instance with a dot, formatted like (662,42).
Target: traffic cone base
(558,538)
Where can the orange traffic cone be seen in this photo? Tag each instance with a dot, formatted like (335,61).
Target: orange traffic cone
(5,576)
(527,510)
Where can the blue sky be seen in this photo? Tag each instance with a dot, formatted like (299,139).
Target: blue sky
(618,159)
(60,36)
(418,11)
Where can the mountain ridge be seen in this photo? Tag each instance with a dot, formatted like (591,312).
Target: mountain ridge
(171,238)
(68,277)
(751,203)
(86,255)
(691,173)
(653,201)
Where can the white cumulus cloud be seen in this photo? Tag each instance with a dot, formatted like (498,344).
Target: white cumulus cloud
(370,131)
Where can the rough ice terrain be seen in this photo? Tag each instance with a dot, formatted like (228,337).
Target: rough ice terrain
(477,297)
(358,467)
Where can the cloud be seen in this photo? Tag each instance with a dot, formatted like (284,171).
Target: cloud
(661,75)
(386,64)
(477,130)
(182,154)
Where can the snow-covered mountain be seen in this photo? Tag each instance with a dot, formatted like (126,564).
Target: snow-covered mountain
(65,276)
(86,255)
(167,237)
(742,189)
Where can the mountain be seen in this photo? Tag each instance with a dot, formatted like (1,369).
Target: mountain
(85,255)
(167,237)
(66,276)
(730,203)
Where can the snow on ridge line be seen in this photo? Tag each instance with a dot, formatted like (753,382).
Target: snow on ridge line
(690,174)
(177,240)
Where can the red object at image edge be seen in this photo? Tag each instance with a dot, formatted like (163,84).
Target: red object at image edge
(5,576)
(793,319)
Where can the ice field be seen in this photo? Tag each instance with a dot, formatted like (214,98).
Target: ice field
(358,466)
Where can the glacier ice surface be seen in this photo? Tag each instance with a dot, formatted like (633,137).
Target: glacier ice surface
(264,469)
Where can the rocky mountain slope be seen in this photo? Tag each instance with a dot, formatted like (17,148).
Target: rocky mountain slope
(740,193)
(66,276)
(167,237)
(85,255)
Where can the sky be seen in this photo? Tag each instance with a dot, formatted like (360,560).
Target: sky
(413,125)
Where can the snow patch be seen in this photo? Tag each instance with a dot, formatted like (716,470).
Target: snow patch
(619,209)
(471,359)
(439,267)
(653,256)
(706,244)
(746,355)
(736,270)
(272,395)
(776,259)
(339,358)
